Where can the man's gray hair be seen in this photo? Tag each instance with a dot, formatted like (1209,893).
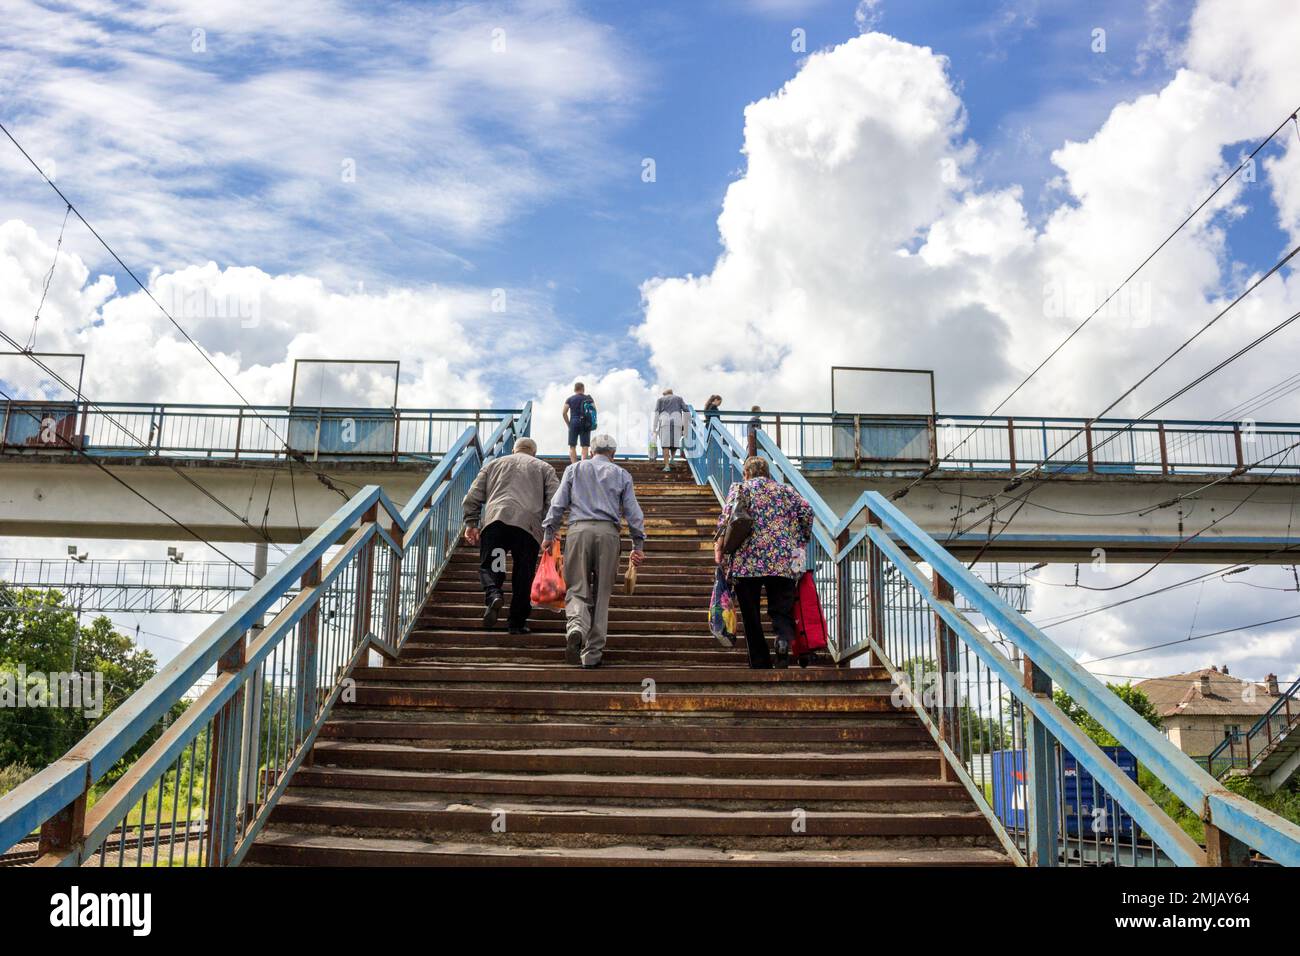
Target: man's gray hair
(603,443)
(526,445)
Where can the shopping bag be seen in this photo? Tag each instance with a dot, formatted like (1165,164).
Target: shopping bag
(629,578)
(722,611)
(548,581)
(809,621)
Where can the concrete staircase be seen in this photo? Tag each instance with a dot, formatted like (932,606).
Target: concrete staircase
(482,748)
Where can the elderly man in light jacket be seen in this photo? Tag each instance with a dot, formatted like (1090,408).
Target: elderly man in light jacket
(503,515)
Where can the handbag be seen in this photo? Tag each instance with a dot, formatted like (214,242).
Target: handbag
(722,610)
(809,621)
(740,525)
(548,581)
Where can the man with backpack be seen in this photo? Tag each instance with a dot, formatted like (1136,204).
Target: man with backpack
(580,417)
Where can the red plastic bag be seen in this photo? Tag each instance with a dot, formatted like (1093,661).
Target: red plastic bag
(809,621)
(548,581)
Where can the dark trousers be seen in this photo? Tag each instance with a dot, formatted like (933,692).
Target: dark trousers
(499,539)
(780,608)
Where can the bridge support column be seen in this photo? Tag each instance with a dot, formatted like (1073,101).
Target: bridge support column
(1221,849)
(66,830)
(225,755)
(945,640)
(308,637)
(844,599)
(1042,814)
(253,700)
(875,594)
(365,562)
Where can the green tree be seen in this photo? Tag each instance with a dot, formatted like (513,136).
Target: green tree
(1137,701)
(981,734)
(1285,801)
(39,633)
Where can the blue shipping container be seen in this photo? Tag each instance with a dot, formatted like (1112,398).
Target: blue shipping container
(1098,816)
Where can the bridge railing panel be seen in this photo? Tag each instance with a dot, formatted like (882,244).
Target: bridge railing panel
(187,430)
(1245,751)
(815,440)
(187,770)
(1051,794)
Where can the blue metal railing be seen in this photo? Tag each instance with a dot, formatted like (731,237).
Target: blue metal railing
(1013,443)
(1246,751)
(193,784)
(236,432)
(889,591)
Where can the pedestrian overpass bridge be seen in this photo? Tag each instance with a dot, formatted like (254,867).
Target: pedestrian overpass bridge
(1190,491)
(365,711)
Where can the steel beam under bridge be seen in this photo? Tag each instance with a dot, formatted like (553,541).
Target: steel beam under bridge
(69,497)
(117,586)
(1241,519)
(145,586)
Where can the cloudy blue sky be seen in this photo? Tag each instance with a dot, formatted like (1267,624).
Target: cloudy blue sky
(723,195)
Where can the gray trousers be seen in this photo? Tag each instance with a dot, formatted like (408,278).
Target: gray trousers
(591,551)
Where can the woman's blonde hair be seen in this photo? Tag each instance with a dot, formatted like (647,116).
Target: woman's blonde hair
(756,467)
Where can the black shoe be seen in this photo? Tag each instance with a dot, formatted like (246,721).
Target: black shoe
(782,654)
(573,648)
(493,611)
(521,630)
(805,660)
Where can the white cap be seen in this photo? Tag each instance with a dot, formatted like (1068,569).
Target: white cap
(602,442)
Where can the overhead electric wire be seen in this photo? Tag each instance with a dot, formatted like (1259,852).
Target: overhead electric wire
(189,479)
(1050,475)
(1221,573)
(125,484)
(1197,637)
(49,277)
(320,476)
(1078,328)
(1238,412)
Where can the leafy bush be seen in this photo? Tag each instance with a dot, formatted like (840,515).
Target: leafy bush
(12,775)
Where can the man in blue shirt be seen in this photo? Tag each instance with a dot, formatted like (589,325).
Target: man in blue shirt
(597,495)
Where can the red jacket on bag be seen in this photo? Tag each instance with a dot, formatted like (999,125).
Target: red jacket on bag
(809,622)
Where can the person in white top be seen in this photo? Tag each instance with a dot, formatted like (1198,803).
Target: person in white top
(670,422)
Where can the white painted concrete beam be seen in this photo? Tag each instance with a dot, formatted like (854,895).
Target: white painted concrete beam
(75,499)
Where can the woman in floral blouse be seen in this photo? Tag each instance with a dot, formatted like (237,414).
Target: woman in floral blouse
(771,558)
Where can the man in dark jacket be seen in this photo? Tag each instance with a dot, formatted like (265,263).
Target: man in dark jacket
(508,500)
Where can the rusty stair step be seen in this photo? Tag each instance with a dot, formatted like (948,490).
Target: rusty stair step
(653,612)
(434,815)
(487,653)
(622,675)
(553,636)
(399,695)
(275,847)
(694,623)
(900,793)
(687,731)
(666,607)
(465,584)
(910,763)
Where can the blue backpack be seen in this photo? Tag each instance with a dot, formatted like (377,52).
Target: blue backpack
(588,412)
